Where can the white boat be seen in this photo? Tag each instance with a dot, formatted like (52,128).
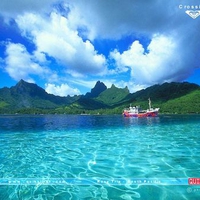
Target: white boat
(136,111)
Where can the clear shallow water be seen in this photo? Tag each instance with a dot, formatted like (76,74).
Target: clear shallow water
(101,148)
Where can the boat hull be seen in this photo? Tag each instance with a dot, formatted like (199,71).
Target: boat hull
(147,114)
(137,112)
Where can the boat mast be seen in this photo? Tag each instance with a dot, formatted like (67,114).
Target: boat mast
(149,104)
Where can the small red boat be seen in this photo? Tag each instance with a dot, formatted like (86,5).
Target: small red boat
(137,112)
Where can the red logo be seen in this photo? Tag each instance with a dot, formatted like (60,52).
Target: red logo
(194,181)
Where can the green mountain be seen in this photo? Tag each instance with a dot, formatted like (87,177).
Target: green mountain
(164,92)
(189,103)
(169,97)
(30,96)
(113,100)
(113,95)
(106,99)
(98,89)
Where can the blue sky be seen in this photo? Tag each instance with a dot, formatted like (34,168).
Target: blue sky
(67,46)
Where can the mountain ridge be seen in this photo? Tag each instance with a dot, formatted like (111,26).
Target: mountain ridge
(27,97)
(96,90)
(30,95)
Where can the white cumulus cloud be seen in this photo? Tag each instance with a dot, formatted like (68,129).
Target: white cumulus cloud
(61,90)
(172,57)
(20,64)
(55,37)
(72,36)
(159,62)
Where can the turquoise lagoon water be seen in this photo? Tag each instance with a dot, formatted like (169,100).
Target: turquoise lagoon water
(99,157)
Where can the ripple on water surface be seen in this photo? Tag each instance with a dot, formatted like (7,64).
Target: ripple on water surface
(99,147)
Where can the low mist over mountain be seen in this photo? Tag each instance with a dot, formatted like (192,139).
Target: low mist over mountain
(30,98)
